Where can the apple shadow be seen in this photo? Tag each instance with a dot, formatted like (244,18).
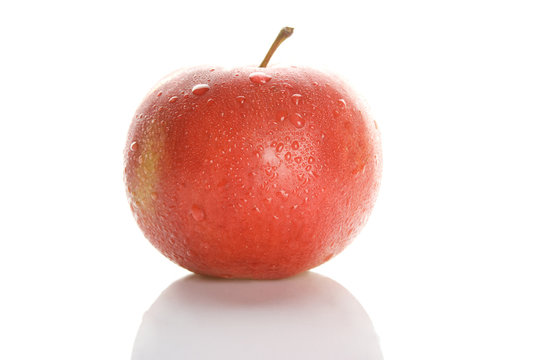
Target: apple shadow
(307,316)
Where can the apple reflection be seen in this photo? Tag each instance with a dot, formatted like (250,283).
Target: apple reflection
(307,316)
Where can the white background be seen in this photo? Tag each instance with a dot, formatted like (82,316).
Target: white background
(448,265)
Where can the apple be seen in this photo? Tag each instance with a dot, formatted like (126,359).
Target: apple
(252,172)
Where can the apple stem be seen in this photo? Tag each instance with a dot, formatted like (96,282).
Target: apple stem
(283,34)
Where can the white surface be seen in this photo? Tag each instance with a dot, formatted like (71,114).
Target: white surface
(304,317)
(447,267)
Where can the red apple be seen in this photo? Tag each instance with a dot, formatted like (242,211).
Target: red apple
(251,172)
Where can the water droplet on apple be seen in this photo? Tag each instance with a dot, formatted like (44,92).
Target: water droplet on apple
(311,160)
(295,145)
(200,89)
(240,99)
(134,146)
(279,147)
(342,103)
(197,213)
(288,156)
(297,120)
(298,159)
(159,93)
(173,99)
(281,115)
(296,99)
(259,77)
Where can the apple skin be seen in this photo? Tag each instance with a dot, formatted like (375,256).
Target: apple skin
(257,173)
